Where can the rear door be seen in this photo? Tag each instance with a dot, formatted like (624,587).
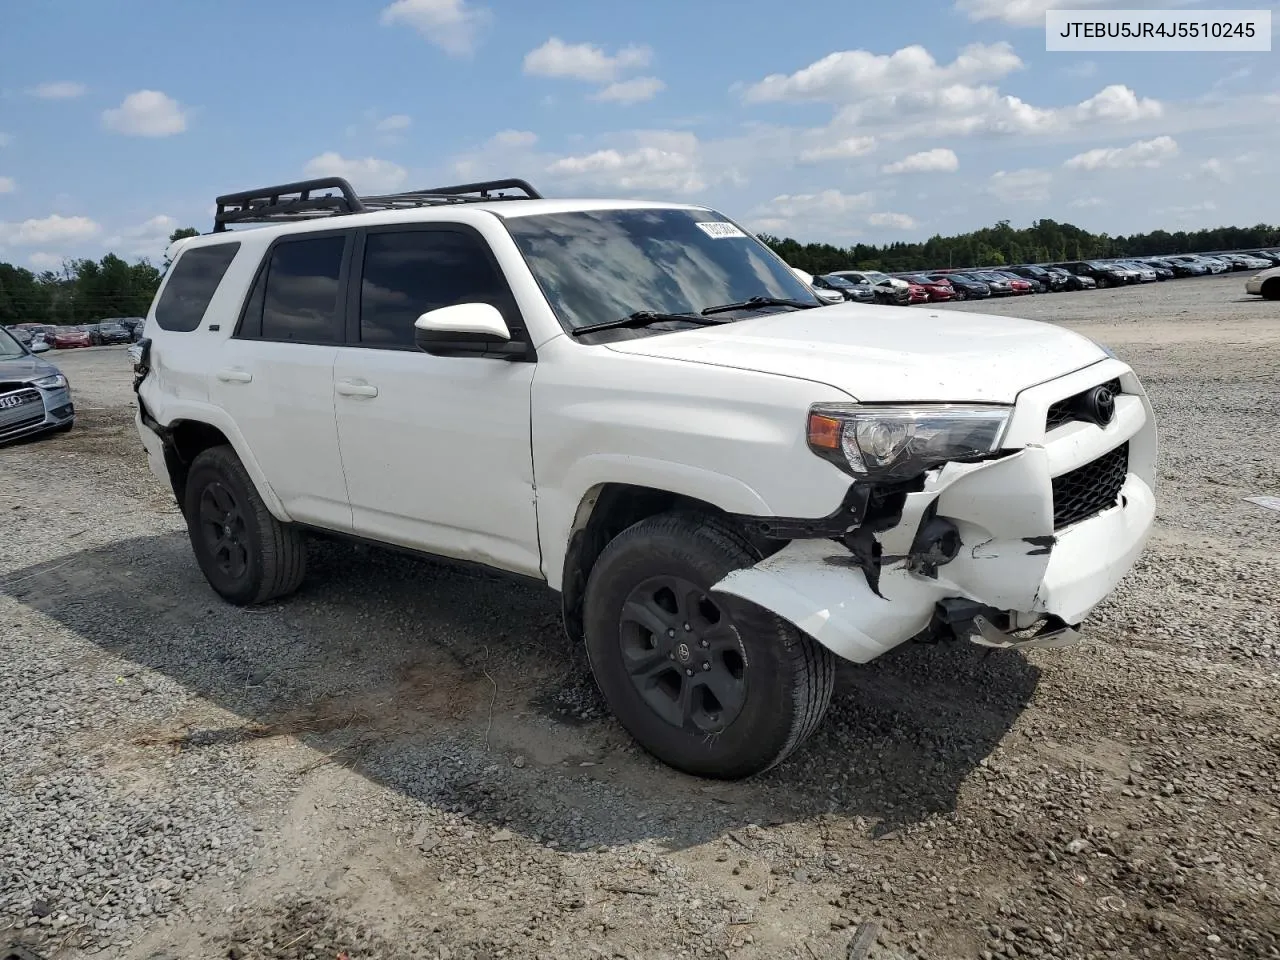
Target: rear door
(437,449)
(275,374)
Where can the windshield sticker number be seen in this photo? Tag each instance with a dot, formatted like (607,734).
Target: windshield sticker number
(720,231)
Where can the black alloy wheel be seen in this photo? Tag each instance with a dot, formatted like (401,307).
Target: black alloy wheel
(682,654)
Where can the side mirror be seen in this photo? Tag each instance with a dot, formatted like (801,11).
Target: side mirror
(467,330)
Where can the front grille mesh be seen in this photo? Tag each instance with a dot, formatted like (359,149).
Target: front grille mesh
(1090,489)
(1066,410)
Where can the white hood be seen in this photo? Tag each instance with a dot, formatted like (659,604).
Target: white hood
(878,354)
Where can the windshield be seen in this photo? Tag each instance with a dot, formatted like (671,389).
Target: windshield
(599,265)
(9,347)
(875,277)
(837,281)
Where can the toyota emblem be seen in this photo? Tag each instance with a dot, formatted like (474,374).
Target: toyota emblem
(1100,404)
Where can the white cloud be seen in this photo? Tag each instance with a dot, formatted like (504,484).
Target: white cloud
(1216,169)
(514,138)
(1020,186)
(1117,103)
(147,239)
(146,113)
(583,61)
(854,75)
(1141,154)
(1084,203)
(819,215)
(452,25)
(846,149)
(1082,70)
(635,90)
(394,123)
(895,221)
(8,185)
(41,261)
(1020,13)
(660,161)
(939,160)
(368,174)
(5,139)
(60,90)
(51,229)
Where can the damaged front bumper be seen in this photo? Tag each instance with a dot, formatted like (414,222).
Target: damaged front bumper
(983,551)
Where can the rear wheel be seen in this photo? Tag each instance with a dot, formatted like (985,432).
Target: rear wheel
(960,295)
(1271,289)
(708,685)
(246,554)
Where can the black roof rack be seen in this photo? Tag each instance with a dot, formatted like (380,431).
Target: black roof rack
(297,201)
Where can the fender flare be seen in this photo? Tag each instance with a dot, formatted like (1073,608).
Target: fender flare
(176,413)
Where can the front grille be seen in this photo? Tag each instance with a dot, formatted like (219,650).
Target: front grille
(1090,489)
(1067,410)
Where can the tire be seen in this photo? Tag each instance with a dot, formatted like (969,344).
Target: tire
(772,683)
(960,295)
(1103,283)
(1271,289)
(246,554)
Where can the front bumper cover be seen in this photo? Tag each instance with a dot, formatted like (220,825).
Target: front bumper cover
(1010,570)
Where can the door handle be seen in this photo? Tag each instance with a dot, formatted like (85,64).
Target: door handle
(349,388)
(235,376)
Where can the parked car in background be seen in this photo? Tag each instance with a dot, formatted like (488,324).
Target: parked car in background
(112,332)
(68,337)
(1185,268)
(1000,286)
(1270,256)
(134,325)
(885,288)
(1051,282)
(1099,271)
(1163,268)
(1216,265)
(1265,284)
(916,294)
(936,291)
(966,287)
(856,292)
(1252,262)
(34,395)
(1146,273)
(23,336)
(1021,285)
(1071,281)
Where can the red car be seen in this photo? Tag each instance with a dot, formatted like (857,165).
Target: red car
(936,291)
(917,293)
(65,339)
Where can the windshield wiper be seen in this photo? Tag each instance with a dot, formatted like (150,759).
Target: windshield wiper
(642,318)
(754,302)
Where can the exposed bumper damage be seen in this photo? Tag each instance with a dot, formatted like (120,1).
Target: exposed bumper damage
(975,553)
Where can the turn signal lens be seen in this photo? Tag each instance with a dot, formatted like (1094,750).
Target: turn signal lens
(824,432)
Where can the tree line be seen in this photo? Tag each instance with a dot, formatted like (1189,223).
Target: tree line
(87,290)
(1045,241)
(81,291)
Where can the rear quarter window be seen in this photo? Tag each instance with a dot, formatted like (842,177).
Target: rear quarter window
(192,285)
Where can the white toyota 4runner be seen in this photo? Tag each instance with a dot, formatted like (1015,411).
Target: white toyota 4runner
(640,406)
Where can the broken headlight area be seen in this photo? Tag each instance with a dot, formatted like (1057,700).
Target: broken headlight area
(899,442)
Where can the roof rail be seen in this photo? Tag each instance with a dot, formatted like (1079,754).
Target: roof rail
(294,201)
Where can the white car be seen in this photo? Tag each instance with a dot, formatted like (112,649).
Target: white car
(822,293)
(639,406)
(1265,284)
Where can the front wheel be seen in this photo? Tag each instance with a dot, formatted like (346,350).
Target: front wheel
(959,295)
(712,686)
(1103,283)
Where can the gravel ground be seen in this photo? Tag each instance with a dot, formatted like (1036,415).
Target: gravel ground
(408,761)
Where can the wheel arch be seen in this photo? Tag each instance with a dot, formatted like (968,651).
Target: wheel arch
(605,511)
(188,435)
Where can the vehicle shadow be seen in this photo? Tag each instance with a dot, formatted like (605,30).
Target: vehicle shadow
(458,688)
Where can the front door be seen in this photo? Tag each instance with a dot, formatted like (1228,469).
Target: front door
(436,450)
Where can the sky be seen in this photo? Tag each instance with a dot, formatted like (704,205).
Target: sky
(821,120)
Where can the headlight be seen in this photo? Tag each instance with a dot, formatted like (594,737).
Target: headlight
(55,382)
(901,442)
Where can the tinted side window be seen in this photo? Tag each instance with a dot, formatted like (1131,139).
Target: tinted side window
(408,273)
(195,278)
(302,292)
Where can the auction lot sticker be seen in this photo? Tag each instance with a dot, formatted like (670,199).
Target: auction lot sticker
(1155,31)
